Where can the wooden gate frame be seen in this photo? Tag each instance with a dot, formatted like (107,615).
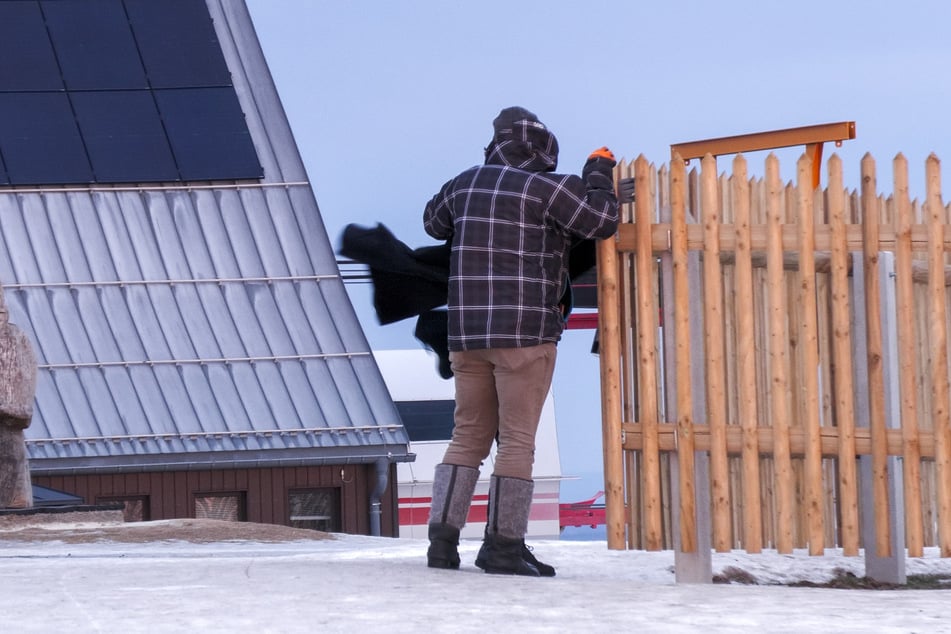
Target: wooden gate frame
(631,385)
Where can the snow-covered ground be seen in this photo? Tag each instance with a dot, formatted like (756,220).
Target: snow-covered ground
(366,584)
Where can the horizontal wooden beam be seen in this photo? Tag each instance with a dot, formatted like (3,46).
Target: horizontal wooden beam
(806,135)
(829,437)
(855,240)
(660,243)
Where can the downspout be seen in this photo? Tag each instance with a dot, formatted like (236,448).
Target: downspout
(382,476)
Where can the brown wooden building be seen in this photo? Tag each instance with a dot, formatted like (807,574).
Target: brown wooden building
(328,498)
(198,353)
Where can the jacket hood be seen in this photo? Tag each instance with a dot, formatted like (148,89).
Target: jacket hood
(521,140)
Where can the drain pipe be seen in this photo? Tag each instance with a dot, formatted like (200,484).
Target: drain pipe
(382,476)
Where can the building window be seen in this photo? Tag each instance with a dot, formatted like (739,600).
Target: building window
(317,509)
(135,508)
(230,507)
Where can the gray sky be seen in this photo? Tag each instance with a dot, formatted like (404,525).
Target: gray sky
(388,100)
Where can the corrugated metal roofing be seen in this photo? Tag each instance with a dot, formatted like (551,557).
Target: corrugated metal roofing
(195,324)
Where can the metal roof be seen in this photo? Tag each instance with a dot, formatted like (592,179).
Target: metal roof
(197,324)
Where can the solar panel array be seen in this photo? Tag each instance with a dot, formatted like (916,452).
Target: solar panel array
(117,91)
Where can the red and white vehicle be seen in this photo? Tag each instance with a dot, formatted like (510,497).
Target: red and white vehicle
(426,403)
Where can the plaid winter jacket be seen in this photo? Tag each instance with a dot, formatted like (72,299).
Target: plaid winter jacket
(512,222)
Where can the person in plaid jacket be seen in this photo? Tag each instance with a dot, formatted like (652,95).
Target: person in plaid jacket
(511,223)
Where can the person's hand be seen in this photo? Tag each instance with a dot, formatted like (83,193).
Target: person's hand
(602,162)
(625,190)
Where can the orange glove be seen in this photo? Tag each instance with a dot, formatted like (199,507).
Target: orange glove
(603,152)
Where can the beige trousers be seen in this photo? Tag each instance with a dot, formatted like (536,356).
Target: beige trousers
(499,392)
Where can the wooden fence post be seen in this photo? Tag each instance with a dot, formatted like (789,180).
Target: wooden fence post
(632,464)
(842,360)
(778,358)
(610,360)
(690,479)
(746,361)
(713,352)
(873,364)
(678,331)
(646,357)
(810,356)
(905,322)
(939,344)
(876,342)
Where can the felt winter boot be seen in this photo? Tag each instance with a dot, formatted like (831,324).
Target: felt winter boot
(453,486)
(503,549)
(544,569)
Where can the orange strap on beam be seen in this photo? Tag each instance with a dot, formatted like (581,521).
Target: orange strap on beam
(814,152)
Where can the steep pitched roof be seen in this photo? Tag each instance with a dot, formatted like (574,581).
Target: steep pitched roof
(187,324)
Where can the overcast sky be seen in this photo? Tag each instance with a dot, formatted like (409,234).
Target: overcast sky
(388,100)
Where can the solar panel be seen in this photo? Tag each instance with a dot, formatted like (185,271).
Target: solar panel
(117,91)
(124,136)
(175,57)
(42,140)
(94,44)
(23,38)
(208,134)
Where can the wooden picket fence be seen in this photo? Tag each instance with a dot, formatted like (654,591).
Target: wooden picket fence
(756,324)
